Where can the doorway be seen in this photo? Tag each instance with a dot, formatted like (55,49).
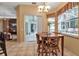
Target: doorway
(32,24)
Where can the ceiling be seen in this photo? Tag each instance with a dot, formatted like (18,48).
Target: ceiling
(7,9)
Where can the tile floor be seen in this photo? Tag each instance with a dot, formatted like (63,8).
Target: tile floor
(26,49)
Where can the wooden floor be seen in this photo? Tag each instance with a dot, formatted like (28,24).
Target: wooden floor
(26,49)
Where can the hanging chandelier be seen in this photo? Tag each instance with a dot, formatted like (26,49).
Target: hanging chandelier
(43,8)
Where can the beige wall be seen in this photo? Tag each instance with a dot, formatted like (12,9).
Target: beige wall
(23,10)
(72,44)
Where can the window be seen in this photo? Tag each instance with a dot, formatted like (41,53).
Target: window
(51,24)
(68,21)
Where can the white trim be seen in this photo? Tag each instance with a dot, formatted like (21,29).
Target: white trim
(70,34)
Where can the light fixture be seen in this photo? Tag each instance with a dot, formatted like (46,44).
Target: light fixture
(43,8)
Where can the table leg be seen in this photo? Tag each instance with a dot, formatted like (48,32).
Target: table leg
(62,46)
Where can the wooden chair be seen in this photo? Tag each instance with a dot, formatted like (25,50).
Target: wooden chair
(50,46)
(54,46)
(39,42)
(2,44)
(44,46)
